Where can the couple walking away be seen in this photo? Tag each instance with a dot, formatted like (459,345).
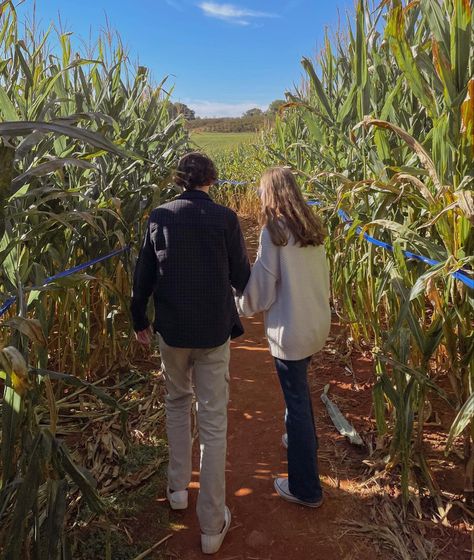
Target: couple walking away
(194,262)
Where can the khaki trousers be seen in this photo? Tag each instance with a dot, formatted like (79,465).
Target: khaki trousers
(209,370)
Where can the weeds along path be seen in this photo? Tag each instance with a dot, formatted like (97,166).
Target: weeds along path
(264,526)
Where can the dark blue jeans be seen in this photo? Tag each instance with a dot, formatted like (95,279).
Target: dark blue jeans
(303,473)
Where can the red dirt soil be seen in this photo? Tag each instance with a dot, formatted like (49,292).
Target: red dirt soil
(265,527)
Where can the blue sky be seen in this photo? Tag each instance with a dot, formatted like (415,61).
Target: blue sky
(222,57)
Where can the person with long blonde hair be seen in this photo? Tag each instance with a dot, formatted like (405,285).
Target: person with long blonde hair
(290,284)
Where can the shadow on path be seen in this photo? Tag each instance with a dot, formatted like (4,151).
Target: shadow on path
(264,526)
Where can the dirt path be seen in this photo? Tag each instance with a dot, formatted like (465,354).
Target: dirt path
(264,526)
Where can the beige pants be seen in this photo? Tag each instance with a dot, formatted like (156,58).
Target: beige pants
(209,370)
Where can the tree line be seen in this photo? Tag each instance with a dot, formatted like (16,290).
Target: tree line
(252,120)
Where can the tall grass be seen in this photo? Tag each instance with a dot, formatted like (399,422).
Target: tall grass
(243,165)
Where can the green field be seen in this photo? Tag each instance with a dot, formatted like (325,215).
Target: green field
(213,142)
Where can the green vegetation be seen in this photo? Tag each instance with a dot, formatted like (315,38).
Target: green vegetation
(243,165)
(215,142)
(384,129)
(87,148)
(251,123)
(253,120)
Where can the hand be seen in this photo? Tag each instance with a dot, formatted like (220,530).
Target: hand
(144,337)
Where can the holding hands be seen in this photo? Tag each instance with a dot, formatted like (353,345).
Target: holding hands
(145,336)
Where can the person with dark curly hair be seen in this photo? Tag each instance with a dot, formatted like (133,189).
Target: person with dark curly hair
(192,258)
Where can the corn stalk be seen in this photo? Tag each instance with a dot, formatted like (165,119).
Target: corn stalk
(87,149)
(383,129)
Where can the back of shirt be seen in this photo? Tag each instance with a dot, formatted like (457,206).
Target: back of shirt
(192,256)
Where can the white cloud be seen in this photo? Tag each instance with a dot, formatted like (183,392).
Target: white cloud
(231,13)
(217,109)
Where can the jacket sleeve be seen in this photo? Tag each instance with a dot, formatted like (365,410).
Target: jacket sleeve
(143,281)
(261,291)
(239,265)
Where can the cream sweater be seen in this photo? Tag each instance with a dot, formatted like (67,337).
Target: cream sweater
(290,285)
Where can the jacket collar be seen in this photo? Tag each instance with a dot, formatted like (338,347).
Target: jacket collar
(193,195)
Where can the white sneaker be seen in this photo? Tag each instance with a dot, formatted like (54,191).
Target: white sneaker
(210,544)
(283,490)
(284,440)
(177,500)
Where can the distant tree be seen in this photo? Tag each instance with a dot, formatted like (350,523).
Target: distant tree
(255,112)
(182,109)
(227,124)
(274,106)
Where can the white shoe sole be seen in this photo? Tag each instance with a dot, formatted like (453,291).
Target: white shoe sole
(210,544)
(286,495)
(177,500)
(284,440)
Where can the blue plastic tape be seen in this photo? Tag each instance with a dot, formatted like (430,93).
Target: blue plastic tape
(80,267)
(6,305)
(10,301)
(469,282)
(233,183)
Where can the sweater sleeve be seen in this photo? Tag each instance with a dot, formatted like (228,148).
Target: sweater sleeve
(261,290)
(239,265)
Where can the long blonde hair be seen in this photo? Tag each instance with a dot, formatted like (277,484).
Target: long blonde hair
(285,212)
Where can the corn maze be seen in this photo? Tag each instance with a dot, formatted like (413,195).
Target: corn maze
(382,129)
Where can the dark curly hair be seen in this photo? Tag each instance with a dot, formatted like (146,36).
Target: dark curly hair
(195,170)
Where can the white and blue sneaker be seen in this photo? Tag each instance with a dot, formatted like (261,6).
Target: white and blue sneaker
(283,490)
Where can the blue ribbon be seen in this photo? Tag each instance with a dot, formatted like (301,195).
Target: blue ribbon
(80,267)
(11,300)
(464,278)
(469,282)
(6,305)
(233,183)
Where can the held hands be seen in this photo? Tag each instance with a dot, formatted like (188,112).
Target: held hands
(144,337)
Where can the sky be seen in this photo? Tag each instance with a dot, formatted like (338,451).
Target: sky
(223,58)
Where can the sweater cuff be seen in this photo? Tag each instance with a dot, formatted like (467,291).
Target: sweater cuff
(140,324)
(138,311)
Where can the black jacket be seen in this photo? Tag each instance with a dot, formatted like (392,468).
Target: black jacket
(192,255)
